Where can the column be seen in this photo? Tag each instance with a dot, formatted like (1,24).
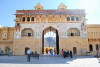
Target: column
(25,19)
(46,19)
(40,19)
(30,19)
(60,18)
(65,19)
(35,19)
(53,19)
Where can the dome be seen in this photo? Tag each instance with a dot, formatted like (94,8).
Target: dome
(38,7)
(62,6)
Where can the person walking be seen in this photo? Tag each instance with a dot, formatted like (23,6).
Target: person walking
(28,55)
(46,50)
(62,52)
(55,52)
(71,54)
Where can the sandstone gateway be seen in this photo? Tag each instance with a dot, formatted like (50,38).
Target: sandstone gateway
(69,25)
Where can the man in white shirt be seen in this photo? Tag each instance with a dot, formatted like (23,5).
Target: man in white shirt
(28,55)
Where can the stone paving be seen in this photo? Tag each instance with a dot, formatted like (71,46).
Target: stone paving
(79,61)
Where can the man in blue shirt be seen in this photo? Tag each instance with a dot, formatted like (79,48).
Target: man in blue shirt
(28,55)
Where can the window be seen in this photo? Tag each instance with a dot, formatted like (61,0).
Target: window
(18,24)
(29,34)
(72,18)
(23,19)
(77,18)
(68,18)
(38,9)
(90,47)
(32,19)
(73,32)
(28,18)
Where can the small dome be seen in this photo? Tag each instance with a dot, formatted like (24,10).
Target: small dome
(38,7)
(62,6)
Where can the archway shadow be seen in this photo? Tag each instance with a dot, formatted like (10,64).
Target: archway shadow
(42,59)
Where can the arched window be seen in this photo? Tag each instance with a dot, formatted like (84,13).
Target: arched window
(27,32)
(73,32)
(28,18)
(23,19)
(90,47)
(32,19)
(72,18)
(68,18)
(77,18)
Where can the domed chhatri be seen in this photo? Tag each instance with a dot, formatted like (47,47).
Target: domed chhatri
(62,6)
(38,7)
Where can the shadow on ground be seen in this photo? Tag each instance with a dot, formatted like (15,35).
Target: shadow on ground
(42,59)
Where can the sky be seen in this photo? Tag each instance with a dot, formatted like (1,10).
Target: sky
(8,8)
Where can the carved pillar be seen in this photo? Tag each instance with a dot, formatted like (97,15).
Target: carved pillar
(53,19)
(35,19)
(65,18)
(40,19)
(46,18)
(60,18)
(30,19)
(25,18)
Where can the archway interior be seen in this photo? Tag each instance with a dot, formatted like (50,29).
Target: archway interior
(50,41)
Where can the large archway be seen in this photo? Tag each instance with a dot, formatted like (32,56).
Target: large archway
(50,40)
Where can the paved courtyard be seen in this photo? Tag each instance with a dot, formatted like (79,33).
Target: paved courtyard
(81,61)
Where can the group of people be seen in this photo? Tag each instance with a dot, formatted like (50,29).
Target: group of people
(29,54)
(66,53)
(63,53)
(50,51)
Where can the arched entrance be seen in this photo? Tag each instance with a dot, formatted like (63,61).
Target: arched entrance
(50,40)
(26,50)
(90,47)
(74,50)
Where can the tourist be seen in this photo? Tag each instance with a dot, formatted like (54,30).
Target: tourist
(62,52)
(55,51)
(46,50)
(28,55)
(51,52)
(36,55)
(71,54)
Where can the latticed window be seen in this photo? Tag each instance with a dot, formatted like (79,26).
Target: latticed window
(73,32)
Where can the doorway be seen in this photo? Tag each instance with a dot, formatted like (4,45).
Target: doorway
(74,51)
(50,41)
